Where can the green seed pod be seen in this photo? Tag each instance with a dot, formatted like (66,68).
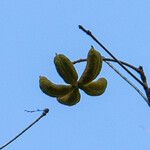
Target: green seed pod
(52,89)
(95,88)
(71,98)
(66,69)
(93,67)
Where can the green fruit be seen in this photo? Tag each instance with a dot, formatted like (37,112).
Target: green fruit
(66,69)
(95,88)
(71,98)
(52,89)
(93,67)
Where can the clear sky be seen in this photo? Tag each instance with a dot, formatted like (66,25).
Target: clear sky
(31,32)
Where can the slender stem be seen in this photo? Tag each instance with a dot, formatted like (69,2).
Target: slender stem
(45,111)
(122,76)
(145,98)
(101,45)
(143,78)
(112,60)
(124,63)
(79,60)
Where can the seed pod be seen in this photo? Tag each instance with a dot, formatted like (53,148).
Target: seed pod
(71,98)
(52,89)
(95,88)
(93,67)
(66,69)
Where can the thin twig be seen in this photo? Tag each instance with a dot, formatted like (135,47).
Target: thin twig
(124,63)
(45,111)
(122,76)
(112,60)
(145,98)
(143,78)
(139,70)
(88,32)
(32,111)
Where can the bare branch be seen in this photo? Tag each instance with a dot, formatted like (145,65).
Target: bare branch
(88,32)
(123,64)
(45,111)
(135,87)
(112,60)
(121,75)
(143,78)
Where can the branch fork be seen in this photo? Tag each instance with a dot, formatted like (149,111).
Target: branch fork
(124,65)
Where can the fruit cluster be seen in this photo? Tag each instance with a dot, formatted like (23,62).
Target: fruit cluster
(69,94)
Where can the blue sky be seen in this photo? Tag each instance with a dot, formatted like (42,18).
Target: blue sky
(32,31)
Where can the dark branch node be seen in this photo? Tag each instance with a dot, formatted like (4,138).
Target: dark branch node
(45,111)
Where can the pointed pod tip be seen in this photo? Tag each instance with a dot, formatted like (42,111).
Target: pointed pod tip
(92,47)
(40,77)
